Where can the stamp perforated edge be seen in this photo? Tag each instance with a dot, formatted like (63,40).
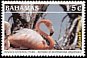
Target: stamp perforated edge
(45,2)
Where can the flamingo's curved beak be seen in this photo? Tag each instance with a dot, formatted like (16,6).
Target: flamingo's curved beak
(51,31)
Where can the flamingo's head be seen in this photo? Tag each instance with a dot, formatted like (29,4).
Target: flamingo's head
(48,23)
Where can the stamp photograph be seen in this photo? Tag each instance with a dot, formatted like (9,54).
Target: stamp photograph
(43,28)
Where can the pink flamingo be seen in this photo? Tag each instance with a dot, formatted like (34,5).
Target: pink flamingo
(7,28)
(28,38)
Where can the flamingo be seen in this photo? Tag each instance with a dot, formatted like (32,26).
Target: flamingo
(32,39)
(7,28)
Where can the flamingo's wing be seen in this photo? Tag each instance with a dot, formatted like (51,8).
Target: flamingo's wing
(28,38)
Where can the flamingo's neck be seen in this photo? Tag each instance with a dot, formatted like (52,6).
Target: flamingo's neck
(39,30)
(49,38)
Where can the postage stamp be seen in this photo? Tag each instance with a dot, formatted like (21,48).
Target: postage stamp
(48,28)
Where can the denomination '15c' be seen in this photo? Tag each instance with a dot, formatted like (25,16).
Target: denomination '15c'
(74,8)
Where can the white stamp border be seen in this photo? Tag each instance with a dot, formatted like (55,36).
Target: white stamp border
(28,52)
